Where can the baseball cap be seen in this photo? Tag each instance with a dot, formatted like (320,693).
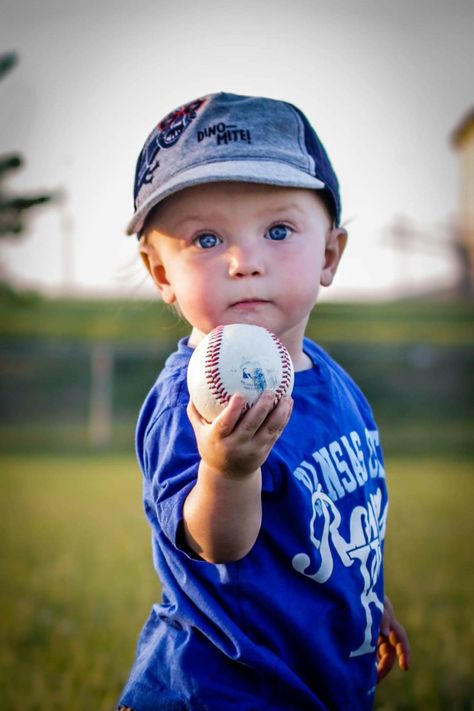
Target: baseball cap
(229,137)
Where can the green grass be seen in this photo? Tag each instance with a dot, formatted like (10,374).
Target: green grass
(78,581)
(430,577)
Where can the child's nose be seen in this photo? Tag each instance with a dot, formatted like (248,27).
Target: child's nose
(245,260)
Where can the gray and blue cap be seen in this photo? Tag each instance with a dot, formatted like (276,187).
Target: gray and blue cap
(227,137)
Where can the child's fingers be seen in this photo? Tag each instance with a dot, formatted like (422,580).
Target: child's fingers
(403,660)
(266,420)
(391,647)
(193,414)
(384,667)
(257,414)
(276,421)
(264,414)
(226,420)
(195,417)
(399,640)
(385,658)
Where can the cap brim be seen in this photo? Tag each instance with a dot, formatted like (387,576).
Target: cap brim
(264,172)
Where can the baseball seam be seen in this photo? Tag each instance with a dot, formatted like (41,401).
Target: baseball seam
(211,367)
(286,367)
(213,374)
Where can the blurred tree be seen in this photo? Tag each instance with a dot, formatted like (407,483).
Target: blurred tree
(13,207)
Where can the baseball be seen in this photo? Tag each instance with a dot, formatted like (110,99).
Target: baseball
(237,358)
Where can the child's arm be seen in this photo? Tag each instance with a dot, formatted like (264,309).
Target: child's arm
(222,513)
(392,643)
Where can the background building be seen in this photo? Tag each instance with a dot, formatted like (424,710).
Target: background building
(463,142)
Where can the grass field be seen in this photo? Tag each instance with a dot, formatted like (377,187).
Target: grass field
(78,581)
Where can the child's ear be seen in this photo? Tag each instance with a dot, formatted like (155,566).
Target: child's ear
(335,246)
(157,271)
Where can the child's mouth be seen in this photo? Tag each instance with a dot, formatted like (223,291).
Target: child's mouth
(248,303)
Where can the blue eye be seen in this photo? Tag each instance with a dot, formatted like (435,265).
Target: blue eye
(278,232)
(207,240)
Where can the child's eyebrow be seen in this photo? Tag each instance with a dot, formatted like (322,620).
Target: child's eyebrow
(193,218)
(286,207)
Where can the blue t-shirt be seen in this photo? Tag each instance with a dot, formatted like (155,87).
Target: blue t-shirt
(293,625)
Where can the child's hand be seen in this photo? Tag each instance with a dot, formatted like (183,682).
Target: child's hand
(236,444)
(392,643)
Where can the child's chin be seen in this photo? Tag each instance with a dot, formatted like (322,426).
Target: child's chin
(250,319)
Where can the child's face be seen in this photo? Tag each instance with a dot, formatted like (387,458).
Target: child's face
(243,253)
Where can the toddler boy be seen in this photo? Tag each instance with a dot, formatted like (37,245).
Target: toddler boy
(268,526)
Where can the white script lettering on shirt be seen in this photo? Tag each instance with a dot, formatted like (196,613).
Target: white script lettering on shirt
(341,466)
(333,472)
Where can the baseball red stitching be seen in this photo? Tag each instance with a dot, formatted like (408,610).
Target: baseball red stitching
(211,367)
(286,367)
(213,375)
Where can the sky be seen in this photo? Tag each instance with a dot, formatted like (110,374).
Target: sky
(384,83)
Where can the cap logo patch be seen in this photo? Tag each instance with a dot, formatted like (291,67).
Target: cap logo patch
(166,135)
(224,133)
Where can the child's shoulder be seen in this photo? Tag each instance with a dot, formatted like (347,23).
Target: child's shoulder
(338,375)
(176,365)
(322,358)
(170,390)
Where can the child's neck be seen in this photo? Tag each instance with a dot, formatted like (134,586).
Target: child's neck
(301,362)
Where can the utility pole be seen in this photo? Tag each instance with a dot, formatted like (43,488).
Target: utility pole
(100,418)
